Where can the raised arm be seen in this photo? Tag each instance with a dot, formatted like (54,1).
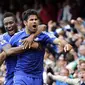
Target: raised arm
(63,79)
(16,50)
(8,50)
(65,44)
(28,41)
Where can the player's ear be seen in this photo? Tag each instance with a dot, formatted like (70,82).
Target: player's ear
(25,23)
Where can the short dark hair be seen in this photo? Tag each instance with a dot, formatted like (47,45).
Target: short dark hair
(9,14)
(29,12)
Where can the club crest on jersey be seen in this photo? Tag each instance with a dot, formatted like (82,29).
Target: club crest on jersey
(36,39)
(20,40)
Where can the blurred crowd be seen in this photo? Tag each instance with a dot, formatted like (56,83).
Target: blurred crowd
(63,63)
(55,10)
(66,22)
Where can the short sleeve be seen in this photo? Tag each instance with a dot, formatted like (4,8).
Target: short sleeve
(2,41)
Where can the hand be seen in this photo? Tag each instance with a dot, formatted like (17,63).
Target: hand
(80,20)
(73,21)
(42,27)
(49,75)
(35,45)
(51,24)
(27,42)
(67,47)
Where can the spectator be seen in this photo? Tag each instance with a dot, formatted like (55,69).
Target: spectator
(66,12)
(77,81)
(63,72)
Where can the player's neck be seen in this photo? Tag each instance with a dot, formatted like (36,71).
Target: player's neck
(27,31)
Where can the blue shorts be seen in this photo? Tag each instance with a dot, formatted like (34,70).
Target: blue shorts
(26,80)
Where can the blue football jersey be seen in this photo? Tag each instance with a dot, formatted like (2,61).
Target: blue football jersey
(31,61)
(52,47)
